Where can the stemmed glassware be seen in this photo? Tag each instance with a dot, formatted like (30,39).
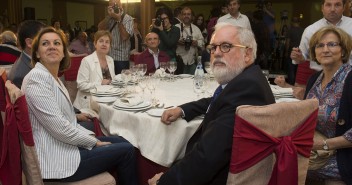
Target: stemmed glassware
(172,66)
(151,85)
(142,83)
(126,76)
(198,85)
(163,67)
(142,69)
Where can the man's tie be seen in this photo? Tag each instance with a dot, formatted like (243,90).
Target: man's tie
(215,95)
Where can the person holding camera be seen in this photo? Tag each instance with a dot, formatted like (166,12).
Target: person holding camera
(120,25)
(168,33)
(191,38)
(234,16)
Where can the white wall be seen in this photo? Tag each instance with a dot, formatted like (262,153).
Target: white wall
(43,9)
(80,12)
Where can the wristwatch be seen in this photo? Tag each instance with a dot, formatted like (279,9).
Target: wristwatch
(325,145)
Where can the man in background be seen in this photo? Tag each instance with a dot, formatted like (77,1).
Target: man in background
(234,16)
(8,48)
(26,32)
(120,24)
(190,39)
(80,44)
(152,56)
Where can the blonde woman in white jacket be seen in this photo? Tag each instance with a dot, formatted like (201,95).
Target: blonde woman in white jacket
(95,69)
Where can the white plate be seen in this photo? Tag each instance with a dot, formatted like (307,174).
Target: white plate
(132,109)
(118,103)
(286,100)
(185,75)
(105,99)
(107,94)
(155,112)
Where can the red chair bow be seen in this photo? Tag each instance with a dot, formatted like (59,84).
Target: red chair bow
(251,145)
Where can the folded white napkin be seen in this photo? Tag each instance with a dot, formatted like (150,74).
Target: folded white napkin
(158,72)
(105,89)
(118,78)
(279,90)
(132,101)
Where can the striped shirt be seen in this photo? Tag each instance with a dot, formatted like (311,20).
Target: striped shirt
(120,50)
(56,133)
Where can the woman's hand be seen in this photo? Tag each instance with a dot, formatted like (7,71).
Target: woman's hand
(102,143)
(83,117)
(105,82)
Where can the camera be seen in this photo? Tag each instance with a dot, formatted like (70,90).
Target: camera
(284,15)
(158,21)
(116,9)
(260,4)
(188,42)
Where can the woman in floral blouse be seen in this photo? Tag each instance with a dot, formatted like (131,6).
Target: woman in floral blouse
(331,48)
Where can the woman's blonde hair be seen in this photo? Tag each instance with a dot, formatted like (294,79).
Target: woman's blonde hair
(65,63)
(345,42)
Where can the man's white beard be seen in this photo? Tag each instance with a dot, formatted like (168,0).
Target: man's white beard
(225,74)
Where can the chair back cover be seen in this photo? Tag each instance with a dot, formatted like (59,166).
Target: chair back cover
(271,144)
(71,73)
(3,79)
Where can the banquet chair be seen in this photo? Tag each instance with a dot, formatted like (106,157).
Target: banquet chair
(272,143)
(70,76)
(3,79)
(30,163)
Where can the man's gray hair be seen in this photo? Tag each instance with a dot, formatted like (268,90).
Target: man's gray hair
(244,35)
(8,36)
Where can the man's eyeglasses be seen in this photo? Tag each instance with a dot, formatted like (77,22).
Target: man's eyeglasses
(330,45)
(224,47)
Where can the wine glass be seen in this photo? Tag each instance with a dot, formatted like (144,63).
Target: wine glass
(172,66)
(126,77)
(142,69)
(142,83)
(163,67)
(198,85)
(151,86)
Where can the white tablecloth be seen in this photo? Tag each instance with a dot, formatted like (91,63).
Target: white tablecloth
(160,143)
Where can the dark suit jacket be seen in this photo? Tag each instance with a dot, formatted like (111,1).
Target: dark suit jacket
(208,151)
(344,123)
(20,69)
(146,58)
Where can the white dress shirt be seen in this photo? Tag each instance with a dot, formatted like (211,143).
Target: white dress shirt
(241,20)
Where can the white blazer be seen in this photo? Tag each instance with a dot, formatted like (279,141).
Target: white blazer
(56,133)
(89,76)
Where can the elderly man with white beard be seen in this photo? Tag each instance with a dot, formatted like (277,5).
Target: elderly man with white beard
(208,152)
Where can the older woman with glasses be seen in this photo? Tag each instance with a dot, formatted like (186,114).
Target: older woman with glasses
(67,151)
(331,48)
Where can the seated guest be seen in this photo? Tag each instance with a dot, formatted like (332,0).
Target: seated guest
(95,69)
(67,151)
(26,32)
(331,47)
(80,44)
(8,48)
(208,152)
(152,56)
